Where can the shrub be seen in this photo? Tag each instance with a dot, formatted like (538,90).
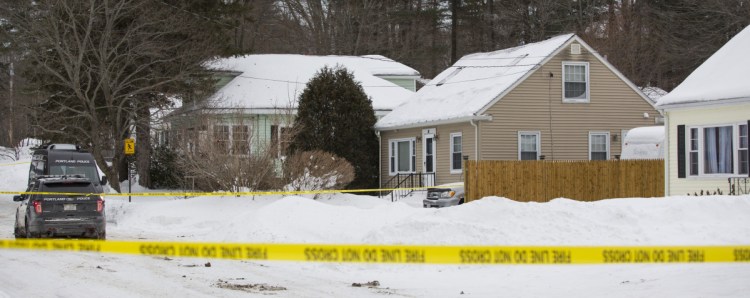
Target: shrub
(165,169)
(316,170)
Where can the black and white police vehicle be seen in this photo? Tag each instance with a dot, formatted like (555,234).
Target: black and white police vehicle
(65,160)
(68,206)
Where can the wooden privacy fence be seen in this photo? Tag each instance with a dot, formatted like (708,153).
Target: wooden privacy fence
(541,181)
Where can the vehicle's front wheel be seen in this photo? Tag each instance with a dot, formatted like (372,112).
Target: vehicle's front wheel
(17,233)
(461,201)
(102,235)
(26,227)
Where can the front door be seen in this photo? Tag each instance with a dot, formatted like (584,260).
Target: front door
(428,157)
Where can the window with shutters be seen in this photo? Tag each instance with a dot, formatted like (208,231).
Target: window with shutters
(720,150)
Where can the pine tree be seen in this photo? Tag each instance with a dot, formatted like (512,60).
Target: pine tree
(335,115)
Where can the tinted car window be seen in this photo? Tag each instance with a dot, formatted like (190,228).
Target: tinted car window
(86,171)
(76,187)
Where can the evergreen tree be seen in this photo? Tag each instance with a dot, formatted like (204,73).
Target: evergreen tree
(335,115)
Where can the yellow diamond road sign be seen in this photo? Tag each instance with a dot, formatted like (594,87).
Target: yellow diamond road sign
(129,146)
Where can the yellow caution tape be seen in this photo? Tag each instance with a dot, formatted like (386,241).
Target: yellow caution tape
(13,164)
(203,194)
(403,254)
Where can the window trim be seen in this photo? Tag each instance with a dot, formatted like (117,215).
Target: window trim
(701,150)
(460,169)
(689,148)
(588,83)
(393,164)
(538,135)
(607,143)
(235,142)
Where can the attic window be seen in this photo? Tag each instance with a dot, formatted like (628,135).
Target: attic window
(451,75)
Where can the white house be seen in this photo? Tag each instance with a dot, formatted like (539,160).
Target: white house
(257,95)
(707,118)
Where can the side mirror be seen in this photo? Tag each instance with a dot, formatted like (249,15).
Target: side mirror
(104,180)
(18,198)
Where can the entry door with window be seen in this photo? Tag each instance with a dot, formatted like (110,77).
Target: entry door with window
(428,157)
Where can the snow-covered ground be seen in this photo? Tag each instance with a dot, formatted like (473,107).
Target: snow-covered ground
(357,219)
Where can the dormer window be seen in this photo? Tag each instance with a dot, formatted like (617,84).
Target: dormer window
(576,82)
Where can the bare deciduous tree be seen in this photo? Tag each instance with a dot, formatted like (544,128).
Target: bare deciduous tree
(96,59)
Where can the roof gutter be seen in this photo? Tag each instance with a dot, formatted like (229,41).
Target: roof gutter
(437,122)
(698,104)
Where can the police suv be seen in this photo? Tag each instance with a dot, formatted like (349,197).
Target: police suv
(63,206)
(65,160)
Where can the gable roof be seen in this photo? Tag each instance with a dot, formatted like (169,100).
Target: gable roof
(471,83)
(276,81)
(722,77)
(477,81)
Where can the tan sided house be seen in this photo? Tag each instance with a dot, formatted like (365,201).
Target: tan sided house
(707,119)
(557,100)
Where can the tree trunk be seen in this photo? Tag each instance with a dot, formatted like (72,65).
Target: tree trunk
(454,29)
(143,141)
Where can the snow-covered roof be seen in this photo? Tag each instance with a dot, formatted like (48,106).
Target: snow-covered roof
(653,93)
(277,80)
(471,83)
(723,76)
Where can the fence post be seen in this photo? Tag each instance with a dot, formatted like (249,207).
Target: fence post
(466,177)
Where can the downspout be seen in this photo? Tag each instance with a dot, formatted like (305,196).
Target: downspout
(666,154)
(380,161)
(476,139)
(476,147)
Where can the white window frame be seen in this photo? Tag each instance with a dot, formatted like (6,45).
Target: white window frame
(538,135)
(701,150)
(393,156)
(453,169)
(587,99)
(746,148)
(693,149)
(607,144)
(234,141)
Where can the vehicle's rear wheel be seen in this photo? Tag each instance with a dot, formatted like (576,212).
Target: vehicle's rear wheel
(102,235)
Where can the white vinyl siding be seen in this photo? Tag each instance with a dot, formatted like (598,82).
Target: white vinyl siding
(402,156)
(598,145)
(456,152)
(576,82)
